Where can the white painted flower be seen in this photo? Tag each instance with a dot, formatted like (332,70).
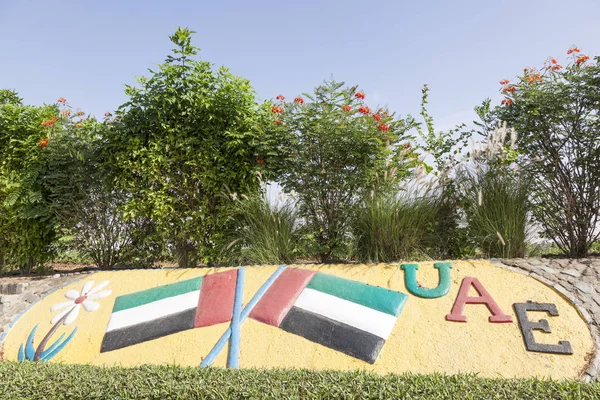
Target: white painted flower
(77,299)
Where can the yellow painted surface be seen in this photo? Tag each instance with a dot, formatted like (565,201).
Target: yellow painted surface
(422,340)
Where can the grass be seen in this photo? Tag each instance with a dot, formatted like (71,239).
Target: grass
(261,233)
(496,207)
(55,381)
(395,227)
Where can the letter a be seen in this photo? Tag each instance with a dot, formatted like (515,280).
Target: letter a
(484,297)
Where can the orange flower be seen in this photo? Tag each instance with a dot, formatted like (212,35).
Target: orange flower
(556,67)
(359,95)
(116,118)
(49,122)
(408,146)
(280,97)
(509,88)
(65,113)
(299,100)
(553,61)
(77,126)
(506,102)
(364,110)
(574,49)
(377,117)
(276,110)
(504,82)
(383,127)
(79,112)
(61,100)
(106,114)
(43,143)
(260,160)
(278,122)
(346,108)
(582,59)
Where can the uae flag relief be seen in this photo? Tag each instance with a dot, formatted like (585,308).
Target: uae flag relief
(164,310)
(344,315)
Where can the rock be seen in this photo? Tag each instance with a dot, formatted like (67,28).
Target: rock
(596,297)
(562,262)
(584,287)
(594,308)
(580,267)
(572,272)
(549,270)
(549,277)
(30,297)
(511,263)
(588,279)
(568,286)
(535,262)
(56,276)
(589,272)
(524,265)
(12,288)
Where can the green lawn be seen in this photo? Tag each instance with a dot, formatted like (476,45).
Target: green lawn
(52,381)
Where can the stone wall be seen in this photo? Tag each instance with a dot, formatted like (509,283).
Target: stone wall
(18,294)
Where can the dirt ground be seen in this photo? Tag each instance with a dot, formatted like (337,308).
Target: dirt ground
(58,268)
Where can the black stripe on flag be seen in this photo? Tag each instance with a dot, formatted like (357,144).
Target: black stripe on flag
(333,334)
(150,330)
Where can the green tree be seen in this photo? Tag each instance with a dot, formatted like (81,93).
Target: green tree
(555,112)
(327,151)
(185,135)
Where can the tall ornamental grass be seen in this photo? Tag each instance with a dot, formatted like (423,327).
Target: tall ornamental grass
(496,207)
(261,233)
(394,227)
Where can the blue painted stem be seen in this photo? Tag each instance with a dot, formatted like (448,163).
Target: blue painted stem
(210,358)
(234,344)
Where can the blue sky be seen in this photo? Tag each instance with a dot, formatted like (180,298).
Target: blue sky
(86,51)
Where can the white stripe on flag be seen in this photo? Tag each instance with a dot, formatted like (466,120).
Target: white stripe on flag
(347,312)
(150,311)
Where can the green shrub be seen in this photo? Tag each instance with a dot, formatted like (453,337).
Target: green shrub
(389,228)
(326,148)
(261,233)
(100,232)
(54,381)
(184,135)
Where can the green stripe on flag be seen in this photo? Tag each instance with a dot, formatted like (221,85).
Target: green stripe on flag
(157,293)
(381,299)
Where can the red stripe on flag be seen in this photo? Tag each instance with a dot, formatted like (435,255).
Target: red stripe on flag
(217,293)
(281,296)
